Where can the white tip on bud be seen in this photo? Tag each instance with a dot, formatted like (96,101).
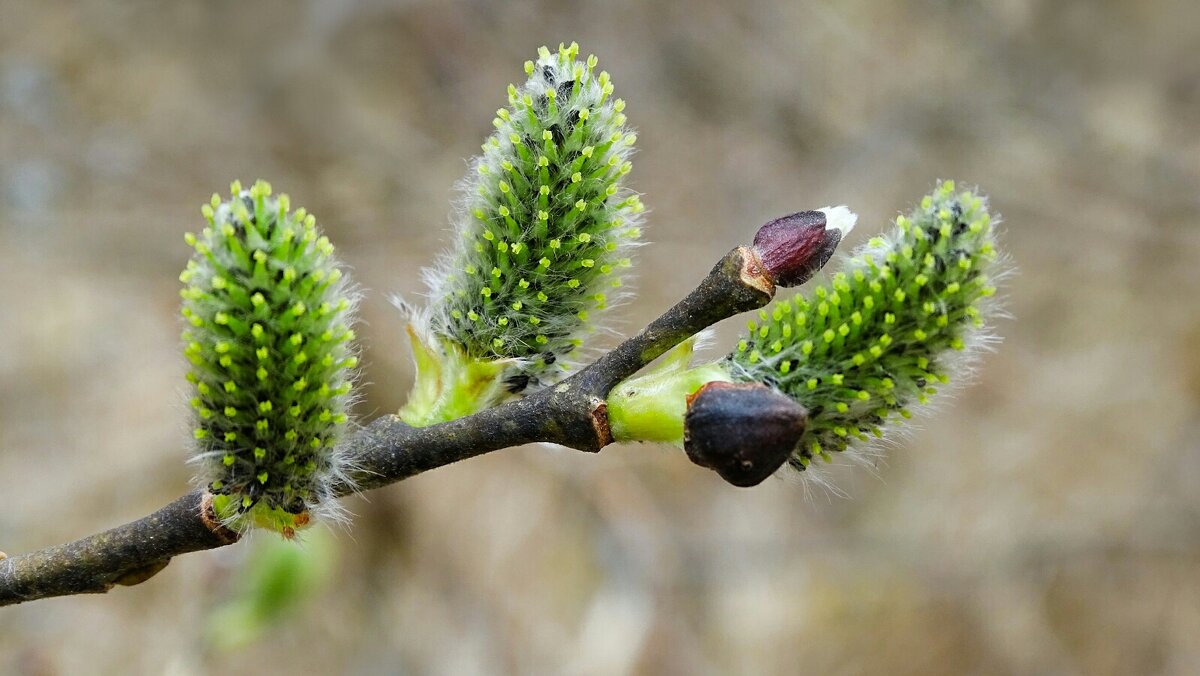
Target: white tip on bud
(839,218)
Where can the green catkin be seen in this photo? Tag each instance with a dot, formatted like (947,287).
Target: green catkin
(906,316)
(268,314)
(546,229)
(900,321)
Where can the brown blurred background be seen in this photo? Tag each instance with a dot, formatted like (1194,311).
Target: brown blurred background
(1047,520)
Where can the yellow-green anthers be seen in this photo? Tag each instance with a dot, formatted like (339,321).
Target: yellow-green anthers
(268,313)
(545,233)
(901,320)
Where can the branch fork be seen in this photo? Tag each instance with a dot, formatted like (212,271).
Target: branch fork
(573,413)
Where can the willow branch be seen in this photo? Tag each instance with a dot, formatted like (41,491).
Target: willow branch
(572,413)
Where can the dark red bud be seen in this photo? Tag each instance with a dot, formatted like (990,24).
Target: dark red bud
(793,248)
(742,431)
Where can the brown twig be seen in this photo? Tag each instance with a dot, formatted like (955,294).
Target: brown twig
(572,413)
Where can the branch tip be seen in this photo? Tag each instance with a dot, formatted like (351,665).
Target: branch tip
(793,248)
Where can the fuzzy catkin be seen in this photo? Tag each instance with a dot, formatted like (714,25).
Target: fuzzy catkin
(903,317)
(268,336)
(547,225)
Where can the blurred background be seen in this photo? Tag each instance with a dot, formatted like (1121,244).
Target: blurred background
(1047,520)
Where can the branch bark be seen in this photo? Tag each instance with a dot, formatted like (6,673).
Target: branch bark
(572,413)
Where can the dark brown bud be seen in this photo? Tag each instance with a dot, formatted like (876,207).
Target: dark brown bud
(742,431)
(793,248)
